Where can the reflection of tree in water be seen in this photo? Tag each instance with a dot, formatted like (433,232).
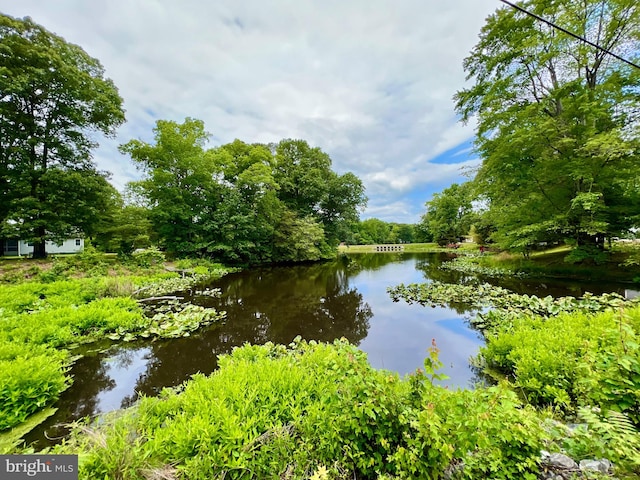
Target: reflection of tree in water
(431,268)
(90,378)
(276,304)
(358,262)
(268,304)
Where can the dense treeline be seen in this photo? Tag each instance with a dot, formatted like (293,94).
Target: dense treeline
(557,129)
(237,203)
(242,203)
(375,231)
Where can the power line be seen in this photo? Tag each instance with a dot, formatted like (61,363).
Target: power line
(564,30)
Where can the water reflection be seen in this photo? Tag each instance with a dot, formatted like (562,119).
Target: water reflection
(346,298)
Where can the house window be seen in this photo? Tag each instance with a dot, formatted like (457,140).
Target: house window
(77,242)
(11,246)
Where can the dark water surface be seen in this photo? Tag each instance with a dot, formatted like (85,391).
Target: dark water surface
(346,298)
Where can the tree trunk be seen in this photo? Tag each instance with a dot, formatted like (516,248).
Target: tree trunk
(39,247)
(39,250)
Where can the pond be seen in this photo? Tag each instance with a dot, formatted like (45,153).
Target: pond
(346,298)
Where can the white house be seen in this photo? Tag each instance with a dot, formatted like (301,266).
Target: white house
(21,247)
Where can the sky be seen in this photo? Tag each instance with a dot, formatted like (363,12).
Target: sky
(370,82)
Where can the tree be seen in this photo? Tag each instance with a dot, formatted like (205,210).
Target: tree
(179,181)
(53,95)
(449,214)
(341,205)
(403,232)
(241,203)
(299,239)
(558,121)
(373,231)
(127,229)
(240,228)
(308,186)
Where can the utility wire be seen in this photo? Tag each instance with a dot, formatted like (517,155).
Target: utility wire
(578,37)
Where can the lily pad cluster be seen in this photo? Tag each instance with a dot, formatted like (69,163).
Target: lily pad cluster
(469,264)
(496,304)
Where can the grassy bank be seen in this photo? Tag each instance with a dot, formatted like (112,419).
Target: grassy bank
(48,307)
(621,263)
(409,248)
(320,411)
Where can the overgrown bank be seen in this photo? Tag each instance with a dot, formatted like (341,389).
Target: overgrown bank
(576,358)
(80,300)
(402,428)
(620,263)
(321,411)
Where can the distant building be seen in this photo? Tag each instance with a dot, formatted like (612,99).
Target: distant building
(14,247)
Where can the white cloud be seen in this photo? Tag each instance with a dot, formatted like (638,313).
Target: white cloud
(370,82)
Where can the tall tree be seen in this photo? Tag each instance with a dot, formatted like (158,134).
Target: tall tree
(53,95)
(449,214)
(179,182)
(558,121)
(243,225)
(308,186)
(372,231)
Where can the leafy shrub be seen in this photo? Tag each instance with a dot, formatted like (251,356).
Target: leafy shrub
(31,377)
(486,430)
(203,266)
(148,257)
(313,409)
(59,271)
(572,360)
(609,375)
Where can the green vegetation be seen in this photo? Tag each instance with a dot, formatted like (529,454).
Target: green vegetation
(272,411)
(374,231)
(621,264)
(474,265)
(557,133)
(45,317)
(320,411)
(238,203)
(556,130)
(578,357)
(571,359)
(506,306)
(242,203)
(449,214)
(54,96)
(558,137)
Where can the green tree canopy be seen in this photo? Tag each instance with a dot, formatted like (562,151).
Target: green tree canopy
(53,95)
(179,180)
(242,203)
(308,186)
(449,214)
(557,121)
